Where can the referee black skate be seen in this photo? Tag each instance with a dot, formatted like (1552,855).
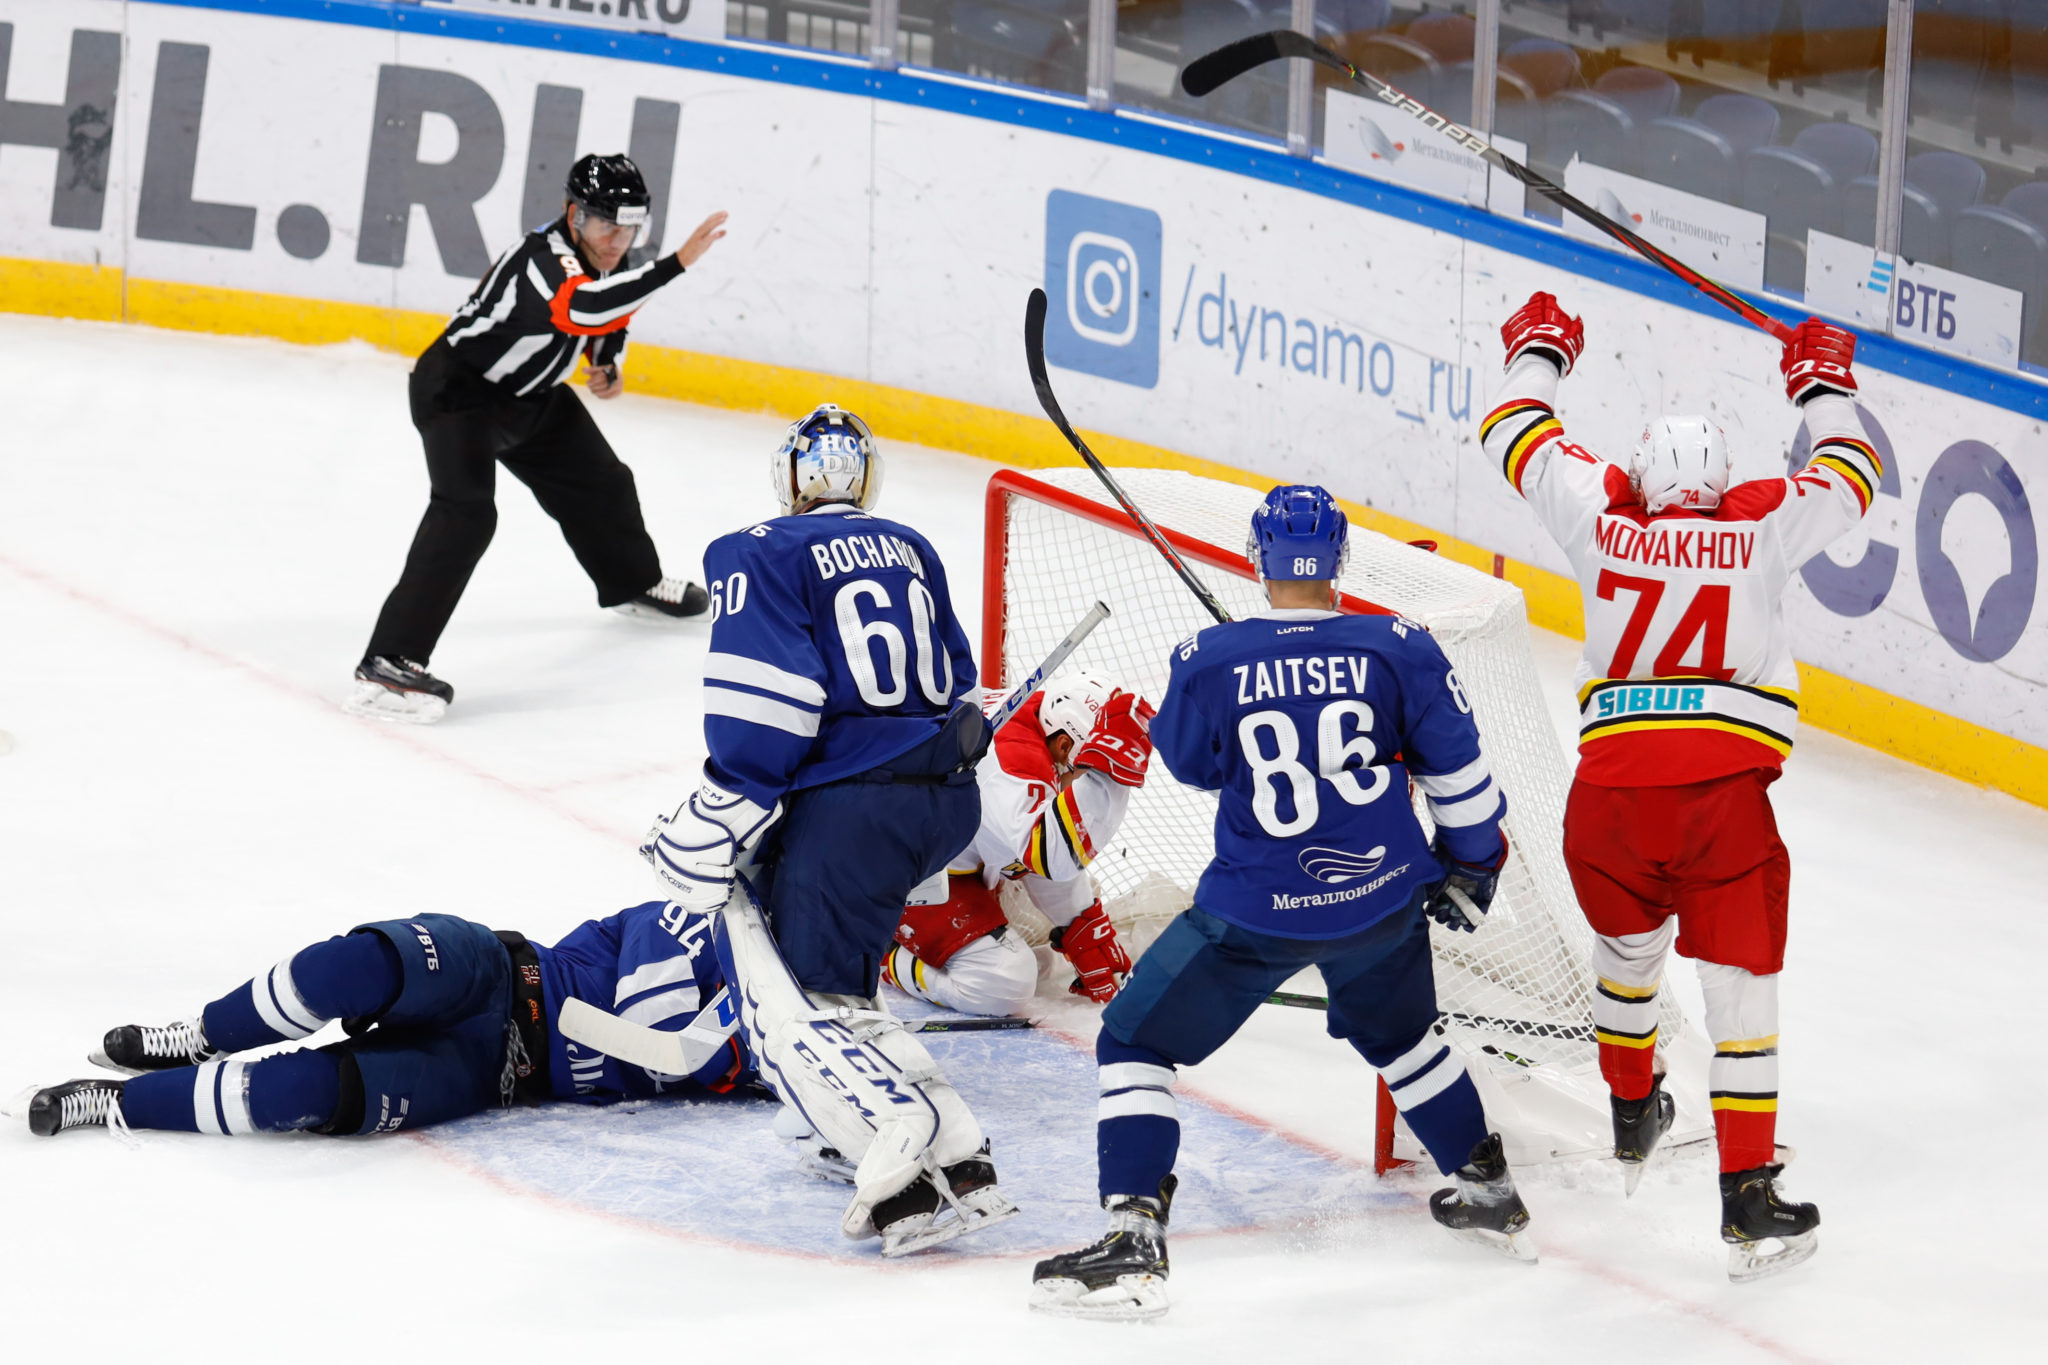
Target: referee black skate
(489,391)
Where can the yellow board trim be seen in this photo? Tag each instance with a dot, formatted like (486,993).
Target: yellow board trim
(1829,701)
(1746,1106)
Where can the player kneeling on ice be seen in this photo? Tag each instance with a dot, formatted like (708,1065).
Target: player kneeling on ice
(1060,779)
(1669,824)
(445,1017)
(842,736)
(1310,724)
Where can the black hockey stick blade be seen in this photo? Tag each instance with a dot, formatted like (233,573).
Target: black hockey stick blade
(1002,1024)
(1034,358)
(1227,63)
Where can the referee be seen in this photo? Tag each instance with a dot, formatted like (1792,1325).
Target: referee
(489,390)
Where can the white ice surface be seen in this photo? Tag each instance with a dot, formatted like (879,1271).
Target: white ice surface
(195,534)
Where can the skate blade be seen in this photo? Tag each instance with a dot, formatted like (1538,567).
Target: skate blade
(1518,1247)
(1747,1263)
(16,1105)
(634,611)
(101,1059)
(1133,1298)
(824,1168)
(381,703)
(989,1207)
(1632,1176)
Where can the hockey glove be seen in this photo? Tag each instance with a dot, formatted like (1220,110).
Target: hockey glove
(1101,965)
(1817,360)
(1461,899)
(1120,745)
(692,852)
(1542,328)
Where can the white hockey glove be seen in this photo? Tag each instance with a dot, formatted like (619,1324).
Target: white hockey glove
(692,852)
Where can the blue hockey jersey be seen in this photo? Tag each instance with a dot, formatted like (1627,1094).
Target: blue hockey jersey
(834,648)
(1309,724)
(654,964)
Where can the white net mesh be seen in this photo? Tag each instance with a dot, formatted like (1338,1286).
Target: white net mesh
(1519,991)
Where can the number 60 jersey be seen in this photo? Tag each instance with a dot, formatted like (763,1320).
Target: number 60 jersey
(1309,724)
(834,649)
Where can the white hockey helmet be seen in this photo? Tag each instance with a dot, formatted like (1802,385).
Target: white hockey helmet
(828,456)
(1682,462)
(1073,700)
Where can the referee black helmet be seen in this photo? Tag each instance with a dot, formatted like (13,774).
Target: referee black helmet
(609,187)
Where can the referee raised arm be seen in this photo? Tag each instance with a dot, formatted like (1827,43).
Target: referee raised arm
(489,390)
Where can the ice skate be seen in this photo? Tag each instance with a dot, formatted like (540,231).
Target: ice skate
(1754,1217)
(1639,1125)
(815,1157)
(1485,1207)
(390,688)
(1121,1277)
(136,1048)
(76,1104)
(671,599)
(926,1215)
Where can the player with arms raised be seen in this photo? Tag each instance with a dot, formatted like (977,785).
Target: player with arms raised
(1310,724)
(1056,789)
(842,737)
(1689,699)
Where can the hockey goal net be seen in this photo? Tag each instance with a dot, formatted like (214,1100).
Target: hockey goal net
(1516,997)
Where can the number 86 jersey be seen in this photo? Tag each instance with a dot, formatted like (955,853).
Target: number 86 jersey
(1687,673)
(834,648)
(1309,725)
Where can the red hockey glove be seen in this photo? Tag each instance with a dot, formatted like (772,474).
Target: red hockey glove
(1121,742)
(1100,962)
(1542,328)
(1817,360)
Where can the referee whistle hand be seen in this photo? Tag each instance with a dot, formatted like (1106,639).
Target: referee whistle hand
(604,381)
(708,231)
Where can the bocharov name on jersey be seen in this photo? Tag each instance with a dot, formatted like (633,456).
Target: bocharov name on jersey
(850,554)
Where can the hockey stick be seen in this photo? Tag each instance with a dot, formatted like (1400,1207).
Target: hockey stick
(1232,60)
(1528,1028)
(1018,695)
(686,1052)
(1034,356)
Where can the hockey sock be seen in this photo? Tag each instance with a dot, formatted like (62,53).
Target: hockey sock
(277,1094)
(351,977)
(1433,1092)
(1137,1126)
(1625,1008)
(1742,1080)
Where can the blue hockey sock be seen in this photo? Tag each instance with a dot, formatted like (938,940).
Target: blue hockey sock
(1435,1094)
(1137,1126)
(350,977)
(275,1095)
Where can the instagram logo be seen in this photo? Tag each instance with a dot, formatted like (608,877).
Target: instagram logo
(1102,277)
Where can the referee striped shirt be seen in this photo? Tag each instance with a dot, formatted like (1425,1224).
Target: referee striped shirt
(542,305)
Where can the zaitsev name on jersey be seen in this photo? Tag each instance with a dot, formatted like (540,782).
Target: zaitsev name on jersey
(1318,675)
(1680,547)
(851,554)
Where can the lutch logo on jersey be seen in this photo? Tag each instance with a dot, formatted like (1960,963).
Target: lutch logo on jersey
(1102,262)
(1337,866)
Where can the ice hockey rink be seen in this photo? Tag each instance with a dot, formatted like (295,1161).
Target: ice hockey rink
(195,533)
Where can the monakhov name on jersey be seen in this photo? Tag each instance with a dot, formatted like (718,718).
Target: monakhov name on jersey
(1281,902)
(1316,675)
(1680,547)
(850,554)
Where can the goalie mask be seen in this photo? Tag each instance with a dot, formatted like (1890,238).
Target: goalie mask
(1682,462)
(1072,702)
(829,456)
(1299,534)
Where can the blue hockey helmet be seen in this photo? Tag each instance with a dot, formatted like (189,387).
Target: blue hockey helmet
(828,456)
(1299,534)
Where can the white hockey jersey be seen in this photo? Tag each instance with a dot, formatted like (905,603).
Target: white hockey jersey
(1687,673)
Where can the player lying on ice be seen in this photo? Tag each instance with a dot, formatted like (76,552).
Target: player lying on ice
(1669,824)
(1053,791)
(445,1017)
(1310,724)
(841,734)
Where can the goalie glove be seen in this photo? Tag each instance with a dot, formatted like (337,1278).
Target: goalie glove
(1817,360)
(1461,899)
(692,852)
(1100,963)
(1120,745)
(1541,327)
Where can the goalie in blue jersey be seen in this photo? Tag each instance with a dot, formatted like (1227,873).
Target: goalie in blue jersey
(842,728)
(1310,724)
(444,1017)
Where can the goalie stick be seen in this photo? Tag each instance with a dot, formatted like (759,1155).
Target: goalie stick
(1034,356)
(1232,60)
(1021,693)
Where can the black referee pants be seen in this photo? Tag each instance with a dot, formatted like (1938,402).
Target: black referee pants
(551,445)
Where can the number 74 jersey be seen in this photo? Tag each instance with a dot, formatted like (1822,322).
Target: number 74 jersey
(1687,673)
